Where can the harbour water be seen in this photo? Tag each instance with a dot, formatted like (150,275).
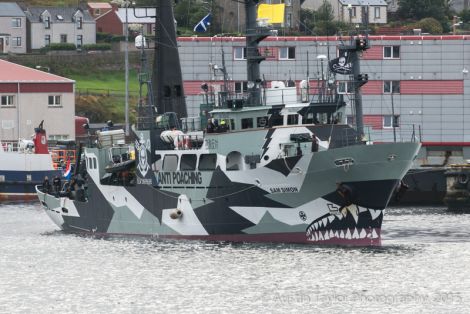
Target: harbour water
(423,265)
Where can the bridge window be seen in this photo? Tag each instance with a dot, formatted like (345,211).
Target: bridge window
(247,123)
(188,162)
(292,119)
(234,161)
(157,165)
(207,162)
(170,163)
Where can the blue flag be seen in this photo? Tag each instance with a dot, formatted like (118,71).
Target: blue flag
(68,171)
(202,26)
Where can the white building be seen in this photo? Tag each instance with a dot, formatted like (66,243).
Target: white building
(28,96)
(12,28)
(49,25)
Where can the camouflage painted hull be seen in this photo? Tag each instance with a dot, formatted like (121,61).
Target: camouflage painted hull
(291,200)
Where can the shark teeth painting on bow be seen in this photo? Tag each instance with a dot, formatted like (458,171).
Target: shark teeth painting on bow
(349,223)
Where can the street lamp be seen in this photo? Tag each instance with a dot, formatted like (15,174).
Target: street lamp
(39,67)
(126,66)
(455,22)
(350,12)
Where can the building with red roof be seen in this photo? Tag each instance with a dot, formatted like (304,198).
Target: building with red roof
(28,96)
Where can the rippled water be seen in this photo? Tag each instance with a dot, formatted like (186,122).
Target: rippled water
(423,265)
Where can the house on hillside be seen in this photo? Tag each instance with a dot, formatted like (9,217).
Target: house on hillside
(12,28)
(114,22)
(354,11)
(96,9)
(28,96)
(47,25)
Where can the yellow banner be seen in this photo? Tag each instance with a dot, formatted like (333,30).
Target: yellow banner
(272,13)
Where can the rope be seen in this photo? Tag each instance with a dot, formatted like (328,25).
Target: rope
(212,198)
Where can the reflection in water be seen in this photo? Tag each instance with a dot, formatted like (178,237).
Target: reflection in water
(420,265)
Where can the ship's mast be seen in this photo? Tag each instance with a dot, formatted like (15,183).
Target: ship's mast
(254,35)
(357,44)
(167,79)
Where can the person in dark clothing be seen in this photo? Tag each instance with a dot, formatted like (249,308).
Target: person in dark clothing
(46,185)
(210,126)
(56,184)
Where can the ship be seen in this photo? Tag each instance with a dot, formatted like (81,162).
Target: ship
(25,165)
(266,167)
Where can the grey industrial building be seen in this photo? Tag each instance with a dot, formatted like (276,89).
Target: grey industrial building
(425,77)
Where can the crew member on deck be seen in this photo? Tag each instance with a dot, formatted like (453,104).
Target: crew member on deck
(46,185)
(223,126)
(56,183)
(210,126)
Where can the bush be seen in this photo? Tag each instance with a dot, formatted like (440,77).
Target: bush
(103,37)
(97,47)
(428,25)
(61,46)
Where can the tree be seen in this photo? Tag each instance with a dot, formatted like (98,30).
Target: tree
(320,22)
(420,9)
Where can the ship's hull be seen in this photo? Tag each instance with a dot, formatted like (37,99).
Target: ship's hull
(20,185)
(292,200)
(425,186)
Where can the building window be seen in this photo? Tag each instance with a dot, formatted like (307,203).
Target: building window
(8,100)
(377,12)
(353,12)
(79,22)
(391,87)
(241,87)
(47,40)
(16,41)
(239,53)
(345,88)
(47,22)
(79,41)
(58,137)
(97,11)
(287,53)
(54,101)
(16,22)
(63,38)
(391,52)
(387,121)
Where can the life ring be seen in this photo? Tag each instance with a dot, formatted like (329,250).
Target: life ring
(463,178)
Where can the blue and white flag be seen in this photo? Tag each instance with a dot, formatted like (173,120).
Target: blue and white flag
(202,26)
(68,171)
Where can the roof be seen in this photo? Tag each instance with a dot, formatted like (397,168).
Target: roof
(34,14)
(138,18)
(10,9)
(15,73)
(99,5)
(363,2)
